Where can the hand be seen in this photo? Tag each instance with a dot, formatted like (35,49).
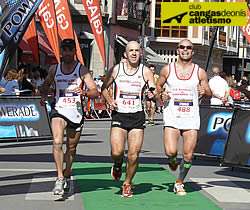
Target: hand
(43,101)
(150,94)
(165,95)
(113,105)
(80,91)
(201,90)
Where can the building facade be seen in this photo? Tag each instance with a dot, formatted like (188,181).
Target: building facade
(123,22)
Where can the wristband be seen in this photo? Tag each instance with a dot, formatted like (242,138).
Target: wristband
(84,93)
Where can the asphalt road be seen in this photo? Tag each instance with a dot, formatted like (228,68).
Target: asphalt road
(27,170)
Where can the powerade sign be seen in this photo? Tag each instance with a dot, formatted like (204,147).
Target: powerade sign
(14,20)
(219,123)
(215,125)
(203,14)
(23,117)
(18,112)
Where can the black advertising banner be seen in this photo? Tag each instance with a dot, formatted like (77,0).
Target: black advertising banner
(237,150)
(215,123)
(15,16)
(23,117)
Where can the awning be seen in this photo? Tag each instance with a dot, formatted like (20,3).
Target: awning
(151,56)
(44,48)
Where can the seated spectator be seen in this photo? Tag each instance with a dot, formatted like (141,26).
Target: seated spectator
(10,84)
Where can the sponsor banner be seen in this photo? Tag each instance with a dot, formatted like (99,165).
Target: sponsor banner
(14,20)
(64,23)
(204,13)
(215,123)
(22,117)
(237,150)
(93,11)
(47,16)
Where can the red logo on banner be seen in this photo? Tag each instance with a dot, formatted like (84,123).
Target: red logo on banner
(93,11)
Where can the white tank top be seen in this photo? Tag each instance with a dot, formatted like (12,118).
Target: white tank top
(128,90)
(182,110)
(68,103)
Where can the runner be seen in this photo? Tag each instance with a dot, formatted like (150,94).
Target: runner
(128,118)
(69,77)
(185,82)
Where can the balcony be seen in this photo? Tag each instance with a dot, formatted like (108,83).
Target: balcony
(220,39)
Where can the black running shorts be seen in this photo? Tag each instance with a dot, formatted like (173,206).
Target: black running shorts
(76,126)
(128,121)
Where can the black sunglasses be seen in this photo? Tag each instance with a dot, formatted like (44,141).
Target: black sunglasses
(189,47)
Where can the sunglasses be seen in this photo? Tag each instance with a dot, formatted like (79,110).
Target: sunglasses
(189,47)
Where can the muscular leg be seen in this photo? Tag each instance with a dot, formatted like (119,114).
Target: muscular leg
(58,125)
(189,143)
(148,108)
(171,137)
(72,141)
(135,138)
(152,110)
(118,138)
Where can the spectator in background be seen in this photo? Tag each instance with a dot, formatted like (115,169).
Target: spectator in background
(98,83)
(219,88)
(243,88)
(25,86)
(9,83)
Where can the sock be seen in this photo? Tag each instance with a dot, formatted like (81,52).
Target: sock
(184,168)
(172,159)
(119,163)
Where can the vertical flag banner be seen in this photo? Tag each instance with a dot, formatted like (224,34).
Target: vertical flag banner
(47,16)
(14,20)
(31,36)
(93,11)
(78,49)
(64,24)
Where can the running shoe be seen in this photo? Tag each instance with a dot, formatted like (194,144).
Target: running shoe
(59,185)
(179,189)
(127,191)
(152,122)
(67,185)
(173,163)
(116,172)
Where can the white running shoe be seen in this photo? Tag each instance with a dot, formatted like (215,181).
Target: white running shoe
(179,189)
(59,185)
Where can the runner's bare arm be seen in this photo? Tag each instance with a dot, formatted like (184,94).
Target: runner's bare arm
(204,89)
(91,89)
(160,83)
(49,80)
(106,84)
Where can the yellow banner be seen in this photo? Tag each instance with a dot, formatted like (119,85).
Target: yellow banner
(204,14)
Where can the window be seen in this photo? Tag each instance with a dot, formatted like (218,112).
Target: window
(168,31)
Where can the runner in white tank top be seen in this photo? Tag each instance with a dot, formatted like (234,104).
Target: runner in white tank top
(185,82)
(182,110)
(128,118)
(67,116)
(66,98)
(128,90)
